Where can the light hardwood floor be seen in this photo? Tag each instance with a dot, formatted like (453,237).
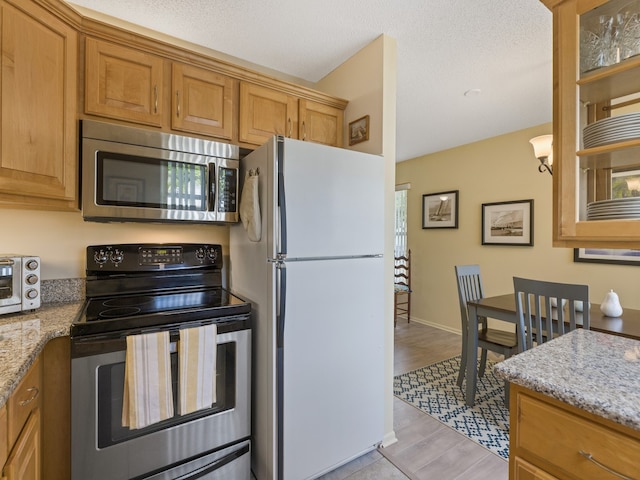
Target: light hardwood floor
(426,449)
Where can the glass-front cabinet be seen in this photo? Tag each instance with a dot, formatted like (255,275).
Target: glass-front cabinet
(596,123)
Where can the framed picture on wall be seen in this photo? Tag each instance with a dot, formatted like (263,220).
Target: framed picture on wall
(508,223)
(440,210)
(359,130)
(607,255)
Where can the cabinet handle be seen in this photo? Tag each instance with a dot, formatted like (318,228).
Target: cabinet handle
(304,132)
(178,103)
(34,394)
(289,120)
(155,99)
(589,457)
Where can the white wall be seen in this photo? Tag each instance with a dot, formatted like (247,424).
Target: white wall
(368,80)
(60,239)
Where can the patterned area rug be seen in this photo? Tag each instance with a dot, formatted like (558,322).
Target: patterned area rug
(433,390)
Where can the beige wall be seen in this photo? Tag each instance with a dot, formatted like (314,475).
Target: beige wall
(368,80)
(60,238)
(499,169)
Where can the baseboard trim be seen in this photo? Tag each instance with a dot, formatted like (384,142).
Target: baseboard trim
(437,325)
(389,439)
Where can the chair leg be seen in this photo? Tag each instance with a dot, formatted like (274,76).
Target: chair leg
(483,363)
(463,360)
(408,307)
(395,309)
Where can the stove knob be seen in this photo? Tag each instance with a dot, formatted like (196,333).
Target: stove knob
(100,257)
(117,256)
(32,264)
(212,254)
(31,293)
(31,279)
(200,253)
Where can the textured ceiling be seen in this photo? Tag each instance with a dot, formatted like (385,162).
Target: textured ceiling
(445,48)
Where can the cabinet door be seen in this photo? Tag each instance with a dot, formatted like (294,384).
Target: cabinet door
(24,461)
(38,152)
(265,112)
(4,447)
(202,101)
(123,83)
(320,123)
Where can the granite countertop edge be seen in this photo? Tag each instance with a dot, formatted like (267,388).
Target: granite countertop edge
(23,337)
(586,369)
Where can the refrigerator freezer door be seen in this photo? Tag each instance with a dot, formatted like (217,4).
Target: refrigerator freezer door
(334,201)
(333,375)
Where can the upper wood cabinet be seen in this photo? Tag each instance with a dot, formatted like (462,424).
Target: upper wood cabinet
(123,83)
(202,101)
(38,144)
(320,123)
(597,168)
(265,112)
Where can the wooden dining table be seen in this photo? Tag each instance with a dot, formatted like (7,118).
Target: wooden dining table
(503,307)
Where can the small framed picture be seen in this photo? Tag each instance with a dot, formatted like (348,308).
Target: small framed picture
(359,130)
(440,210)
(508,223)
(607,255)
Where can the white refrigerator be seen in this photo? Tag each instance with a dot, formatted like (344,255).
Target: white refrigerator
(315,277)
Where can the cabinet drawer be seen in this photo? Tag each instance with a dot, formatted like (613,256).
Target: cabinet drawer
(526,471)
(23,401)
(556,436)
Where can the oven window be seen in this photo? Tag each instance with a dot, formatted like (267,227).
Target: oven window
(126,180)
(110,392)
(6,282)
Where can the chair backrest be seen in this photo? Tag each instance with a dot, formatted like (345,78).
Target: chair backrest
(469,288)
(402,272)
(534,298)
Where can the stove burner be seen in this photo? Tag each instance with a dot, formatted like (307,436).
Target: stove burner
(127,301)
(118,312)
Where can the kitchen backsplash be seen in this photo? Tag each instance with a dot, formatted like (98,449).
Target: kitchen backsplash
(63,290)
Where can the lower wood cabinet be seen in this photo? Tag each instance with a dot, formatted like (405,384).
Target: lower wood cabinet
(23,439)
(551,439)
(35,423)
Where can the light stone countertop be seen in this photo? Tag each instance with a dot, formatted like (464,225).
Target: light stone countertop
(594,371)
(24,335)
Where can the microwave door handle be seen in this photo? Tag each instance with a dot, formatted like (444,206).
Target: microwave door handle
(212,187)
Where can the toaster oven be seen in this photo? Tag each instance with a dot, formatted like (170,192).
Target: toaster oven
(19,283)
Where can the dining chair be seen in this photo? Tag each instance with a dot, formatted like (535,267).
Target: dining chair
(499,341)
(568,304)
(402,287)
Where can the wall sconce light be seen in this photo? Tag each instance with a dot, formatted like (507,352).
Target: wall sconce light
(542,149)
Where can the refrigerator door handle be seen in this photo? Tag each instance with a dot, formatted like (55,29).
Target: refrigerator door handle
(280,319)
(282,204)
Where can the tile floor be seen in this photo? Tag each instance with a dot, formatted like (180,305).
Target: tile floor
(426,449)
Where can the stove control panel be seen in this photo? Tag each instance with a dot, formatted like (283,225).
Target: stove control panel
(152,257)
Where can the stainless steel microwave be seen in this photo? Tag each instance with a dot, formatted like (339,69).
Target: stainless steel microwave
(132,174)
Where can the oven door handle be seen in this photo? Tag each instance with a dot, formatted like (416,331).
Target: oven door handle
(215,465)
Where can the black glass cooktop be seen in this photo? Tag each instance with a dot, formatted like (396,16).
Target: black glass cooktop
(126,312)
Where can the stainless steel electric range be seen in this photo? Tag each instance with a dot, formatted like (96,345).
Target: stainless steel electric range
(144,288)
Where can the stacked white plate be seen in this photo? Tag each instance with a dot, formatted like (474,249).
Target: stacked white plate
(612,130)
(614,209)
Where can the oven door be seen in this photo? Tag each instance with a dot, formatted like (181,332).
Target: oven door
(104,450)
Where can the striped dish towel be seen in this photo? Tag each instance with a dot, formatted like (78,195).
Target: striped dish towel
(197,363)
(148,396)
